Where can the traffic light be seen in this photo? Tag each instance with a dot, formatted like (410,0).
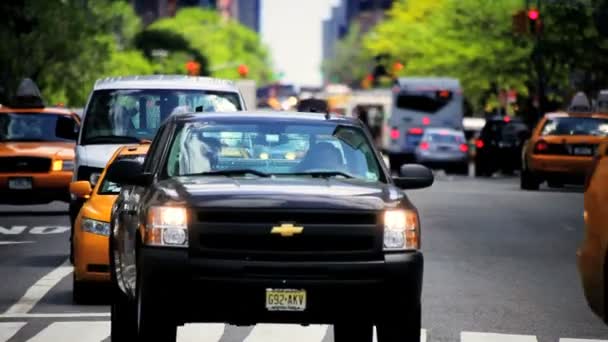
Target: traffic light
(534,21)
(193,68)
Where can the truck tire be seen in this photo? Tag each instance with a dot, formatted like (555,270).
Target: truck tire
(397,329)
(353,332)
(123,323)
(153,324)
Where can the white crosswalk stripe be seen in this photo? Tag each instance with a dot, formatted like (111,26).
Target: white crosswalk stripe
(96,331)
(467,336)
(8,329)
(73,331)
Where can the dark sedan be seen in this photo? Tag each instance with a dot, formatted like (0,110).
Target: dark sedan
(325,237)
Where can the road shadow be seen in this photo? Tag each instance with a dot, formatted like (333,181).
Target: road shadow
(32,213)
(100,295)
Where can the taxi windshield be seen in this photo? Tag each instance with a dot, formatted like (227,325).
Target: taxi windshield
(270,148)
(576,126)
(29,127)
(133,115)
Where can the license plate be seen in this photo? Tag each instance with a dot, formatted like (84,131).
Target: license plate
(583,151)
(285,300)
(20,183)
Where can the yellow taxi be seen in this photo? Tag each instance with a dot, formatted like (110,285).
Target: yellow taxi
(92,228)
(592,255)
(36,149)
(561,149)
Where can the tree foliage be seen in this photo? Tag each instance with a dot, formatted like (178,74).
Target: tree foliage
(351,63)
(224,44)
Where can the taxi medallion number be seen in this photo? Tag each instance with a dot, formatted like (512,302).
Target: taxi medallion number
(20,183)
(285,300)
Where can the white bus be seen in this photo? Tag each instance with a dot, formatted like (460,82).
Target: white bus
(419,103)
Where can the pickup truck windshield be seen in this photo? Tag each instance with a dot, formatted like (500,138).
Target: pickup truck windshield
(271,148)
(132,115)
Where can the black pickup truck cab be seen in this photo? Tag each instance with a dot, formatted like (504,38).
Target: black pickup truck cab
(247,218)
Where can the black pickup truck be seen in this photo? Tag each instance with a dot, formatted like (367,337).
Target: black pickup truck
(217,226)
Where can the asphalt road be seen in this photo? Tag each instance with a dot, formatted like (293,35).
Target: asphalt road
(499,266)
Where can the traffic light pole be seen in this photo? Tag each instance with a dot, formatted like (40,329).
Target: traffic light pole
(538,62)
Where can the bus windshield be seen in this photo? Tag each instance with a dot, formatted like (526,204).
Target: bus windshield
(132,115)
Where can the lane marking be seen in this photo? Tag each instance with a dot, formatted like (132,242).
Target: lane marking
(14,242)
(286,332)
(200,332)
(467,336)
(7,330)
(73,331)
(14,230)
(56,315)
(43,230)
(35,293)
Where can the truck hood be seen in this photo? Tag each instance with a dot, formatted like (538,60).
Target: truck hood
(293,193)
(62,150)
(95,155)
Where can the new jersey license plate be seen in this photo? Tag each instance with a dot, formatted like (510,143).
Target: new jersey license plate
(285,300)
(20,183)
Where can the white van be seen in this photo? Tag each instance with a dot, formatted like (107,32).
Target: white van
(127,110)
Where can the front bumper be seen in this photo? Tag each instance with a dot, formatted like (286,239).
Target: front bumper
(233,291)
(46,187)
(91,257)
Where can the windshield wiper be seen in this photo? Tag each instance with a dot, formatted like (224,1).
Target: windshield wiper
(114,139)
(323,174)
(231,172)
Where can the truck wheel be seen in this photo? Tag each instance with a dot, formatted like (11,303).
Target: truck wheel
(528,181)
(152,321)
(123,325)
(353,332)
(398,329)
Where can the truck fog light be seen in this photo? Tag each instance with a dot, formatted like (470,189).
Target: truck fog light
(394,239)
(174,236)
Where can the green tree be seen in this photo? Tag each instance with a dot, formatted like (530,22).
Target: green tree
(224,44)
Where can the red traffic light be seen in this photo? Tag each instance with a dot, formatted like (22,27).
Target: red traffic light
(533,14)
(193,68)
(398,66)
(243,70)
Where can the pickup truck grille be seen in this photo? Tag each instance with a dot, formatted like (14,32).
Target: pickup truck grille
(245,234)
(24,164)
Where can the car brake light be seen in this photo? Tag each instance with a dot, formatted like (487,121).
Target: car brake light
(479,143)
(464,147)
(395,134)
(424,145)
(541,146)
(426,121)
(507,119)
(415,131)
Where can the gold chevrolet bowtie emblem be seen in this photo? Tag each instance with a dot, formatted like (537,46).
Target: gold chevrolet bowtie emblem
(286,230)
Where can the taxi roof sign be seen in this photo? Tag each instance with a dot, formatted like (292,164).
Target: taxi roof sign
(28,95)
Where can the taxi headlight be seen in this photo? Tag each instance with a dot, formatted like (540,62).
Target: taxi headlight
(57,165)
(95,226)
(93,178)
(167,226)
(401,230)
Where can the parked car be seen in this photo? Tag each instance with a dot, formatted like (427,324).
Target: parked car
(499,146)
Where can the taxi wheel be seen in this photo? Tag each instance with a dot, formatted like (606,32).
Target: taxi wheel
(528,181)
(123,324)
(355,332)
(81,291)
(396,329)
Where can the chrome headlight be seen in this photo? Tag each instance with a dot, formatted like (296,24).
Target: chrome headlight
(401,230)
(94,177)
(167,226)
(95,226)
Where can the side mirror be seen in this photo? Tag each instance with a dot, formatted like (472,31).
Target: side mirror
(66,128)
(127,172)
(82,189)
(414,176)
